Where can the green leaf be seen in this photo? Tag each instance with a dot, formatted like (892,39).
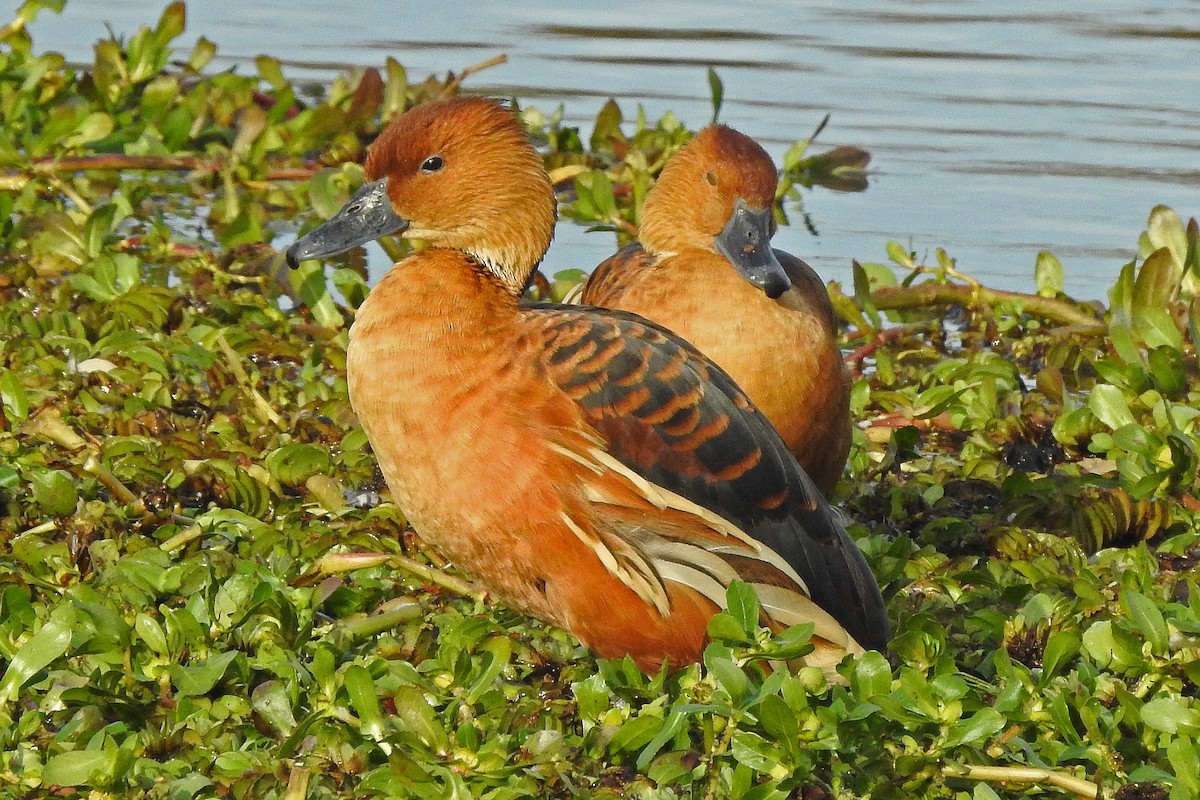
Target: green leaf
(1148,619)
(636,733)
(981,725)
(758,754)
(1157,282)
(1048,274)
(671,726)
(723,627)
(743,605)
(728,676)
(78,768)
(1184,755)
(716,91)
(270,71)
(1061,646)
(1173,715)
(781,722)
(1108,403)
(309,282)
(1158,328)
(361,688)
(39,651)
(271,702)
(1164,230)
(608,127)
(199,679)
(12,396)
(93,127)
(293,464)
(414,714)
(871,676)
(54,490)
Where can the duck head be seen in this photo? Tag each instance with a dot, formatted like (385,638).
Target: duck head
(716,194)
(457,173)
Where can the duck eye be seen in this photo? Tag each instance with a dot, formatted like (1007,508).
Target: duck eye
(432,164)
(711,178)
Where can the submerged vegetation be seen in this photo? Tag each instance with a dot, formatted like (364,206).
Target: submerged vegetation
(202,594)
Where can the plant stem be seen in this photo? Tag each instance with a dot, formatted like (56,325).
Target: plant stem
(980,297)
(1086,790)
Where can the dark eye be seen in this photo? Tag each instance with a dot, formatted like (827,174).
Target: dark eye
(711,178)
(432,164)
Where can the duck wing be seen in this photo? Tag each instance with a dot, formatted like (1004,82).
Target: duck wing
(678,423)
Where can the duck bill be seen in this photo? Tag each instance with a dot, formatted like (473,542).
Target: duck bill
(366,216)
(746,242)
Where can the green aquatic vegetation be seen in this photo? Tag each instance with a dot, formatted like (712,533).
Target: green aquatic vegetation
(205,593)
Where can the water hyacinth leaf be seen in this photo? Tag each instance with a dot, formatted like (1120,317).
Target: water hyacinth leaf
(270,71)
(1120,298)
(1168,370)
(395,95)
(39,651)
(1148,619)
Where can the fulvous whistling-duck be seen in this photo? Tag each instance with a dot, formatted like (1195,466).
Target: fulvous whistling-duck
(704,268)
(586,466)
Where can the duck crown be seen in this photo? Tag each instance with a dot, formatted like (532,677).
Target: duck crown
(698,190)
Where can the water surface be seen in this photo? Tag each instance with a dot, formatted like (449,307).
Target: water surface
(995,131)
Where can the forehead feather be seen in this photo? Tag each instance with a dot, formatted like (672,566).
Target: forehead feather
(735,157)
(440,127)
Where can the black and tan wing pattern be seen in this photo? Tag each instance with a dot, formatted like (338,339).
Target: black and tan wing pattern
(678,423)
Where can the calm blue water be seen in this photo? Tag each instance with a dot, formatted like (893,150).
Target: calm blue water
(994,133)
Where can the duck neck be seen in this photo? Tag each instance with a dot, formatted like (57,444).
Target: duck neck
(435,300)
